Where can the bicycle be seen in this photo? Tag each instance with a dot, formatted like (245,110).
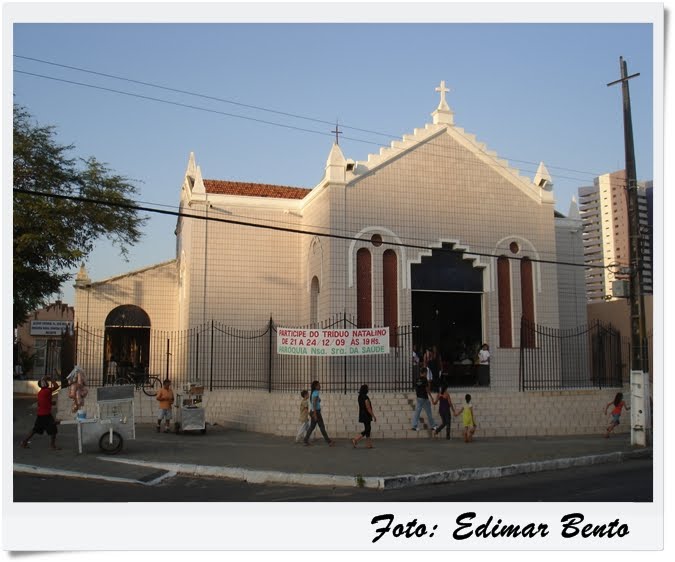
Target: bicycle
(149,384)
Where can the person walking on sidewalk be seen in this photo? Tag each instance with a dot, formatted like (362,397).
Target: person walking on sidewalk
(45,420)
(366,415)
(304,416)
(619,404)
(468,419)
(315,414)
(423,392)
(445,406)
(165,399)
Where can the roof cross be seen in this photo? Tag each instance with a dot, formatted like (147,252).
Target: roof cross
(443,90)
(337,132)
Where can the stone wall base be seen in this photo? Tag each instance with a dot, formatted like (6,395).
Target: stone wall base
(498,413)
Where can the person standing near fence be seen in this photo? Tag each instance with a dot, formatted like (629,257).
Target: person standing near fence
(165,399)
(315,414)
(422,391)
(366,416)
(112,370)
(304,416)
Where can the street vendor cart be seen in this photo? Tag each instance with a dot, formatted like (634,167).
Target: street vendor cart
(190,412)
(114,421)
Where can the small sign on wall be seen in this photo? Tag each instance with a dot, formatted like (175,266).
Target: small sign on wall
(50,327)
(333,342)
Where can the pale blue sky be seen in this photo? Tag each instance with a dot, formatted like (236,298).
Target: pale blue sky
(531,92)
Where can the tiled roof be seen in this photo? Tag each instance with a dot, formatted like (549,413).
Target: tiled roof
(254,189)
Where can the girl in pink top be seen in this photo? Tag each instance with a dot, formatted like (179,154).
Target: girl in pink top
(618,403)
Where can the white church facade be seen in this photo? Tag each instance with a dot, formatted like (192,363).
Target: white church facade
(435,237)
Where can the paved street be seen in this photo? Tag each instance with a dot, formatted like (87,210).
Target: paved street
(630,481)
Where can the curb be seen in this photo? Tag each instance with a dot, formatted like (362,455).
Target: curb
(42,471)
(257,476)
(462,474)
(384,482)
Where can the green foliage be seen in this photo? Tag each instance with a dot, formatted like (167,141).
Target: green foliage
(54,235)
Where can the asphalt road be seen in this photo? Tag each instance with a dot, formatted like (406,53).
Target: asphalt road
(631,481)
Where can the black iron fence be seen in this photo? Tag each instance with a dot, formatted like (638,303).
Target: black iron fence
(221,356)
(583,357)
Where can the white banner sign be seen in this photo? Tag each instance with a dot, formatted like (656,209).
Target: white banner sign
(332,342)
(50,327)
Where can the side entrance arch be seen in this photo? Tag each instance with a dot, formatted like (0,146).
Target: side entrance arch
(127,338)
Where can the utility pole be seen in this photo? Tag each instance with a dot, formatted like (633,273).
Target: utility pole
(639,376)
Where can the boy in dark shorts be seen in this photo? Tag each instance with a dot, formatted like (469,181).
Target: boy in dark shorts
(44,421)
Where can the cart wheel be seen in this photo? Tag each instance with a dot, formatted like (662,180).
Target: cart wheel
(151,386)
(108,447)
(176,426)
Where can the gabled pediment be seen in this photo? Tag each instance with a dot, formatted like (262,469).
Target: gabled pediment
(540,190)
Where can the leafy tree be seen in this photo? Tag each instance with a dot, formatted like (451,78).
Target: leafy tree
(53,235)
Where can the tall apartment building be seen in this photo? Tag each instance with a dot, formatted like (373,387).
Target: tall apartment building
(604,212)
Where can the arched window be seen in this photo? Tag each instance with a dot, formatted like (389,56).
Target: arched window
(364,314)
(314,301)
(504,299)
(390,293)
(527,298)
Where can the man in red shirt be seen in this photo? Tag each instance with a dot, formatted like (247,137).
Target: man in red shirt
(44,421)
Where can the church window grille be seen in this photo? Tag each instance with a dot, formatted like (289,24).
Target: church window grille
(504,300)
(390,293)
(364,317)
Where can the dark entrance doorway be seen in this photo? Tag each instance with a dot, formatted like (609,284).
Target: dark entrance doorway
(446,303)
(450,321)
(127,340)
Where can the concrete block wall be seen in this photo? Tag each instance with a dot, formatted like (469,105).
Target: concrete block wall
(503,414)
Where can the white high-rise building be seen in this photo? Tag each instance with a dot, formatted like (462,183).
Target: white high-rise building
(604,212)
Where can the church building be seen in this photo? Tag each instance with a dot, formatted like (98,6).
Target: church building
(434,237)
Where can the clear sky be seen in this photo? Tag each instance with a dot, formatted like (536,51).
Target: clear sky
(531,91)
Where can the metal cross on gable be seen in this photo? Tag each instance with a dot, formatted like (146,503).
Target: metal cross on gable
(337,132)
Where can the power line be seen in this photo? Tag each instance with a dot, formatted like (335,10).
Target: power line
(205,96)
(183,214)
(260,108)
(150,98)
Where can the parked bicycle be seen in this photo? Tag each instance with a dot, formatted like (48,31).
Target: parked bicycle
(149,384)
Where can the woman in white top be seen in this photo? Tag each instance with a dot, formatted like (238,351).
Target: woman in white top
(484,355)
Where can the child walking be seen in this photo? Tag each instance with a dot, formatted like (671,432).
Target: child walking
(165,398)
(618,403)
(304,416)
(444,407)
(468,419)
(45,420)
(366,415)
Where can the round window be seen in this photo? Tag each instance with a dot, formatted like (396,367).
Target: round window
(514,247)
(376,240)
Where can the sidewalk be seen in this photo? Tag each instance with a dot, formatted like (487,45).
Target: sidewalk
(259,458)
